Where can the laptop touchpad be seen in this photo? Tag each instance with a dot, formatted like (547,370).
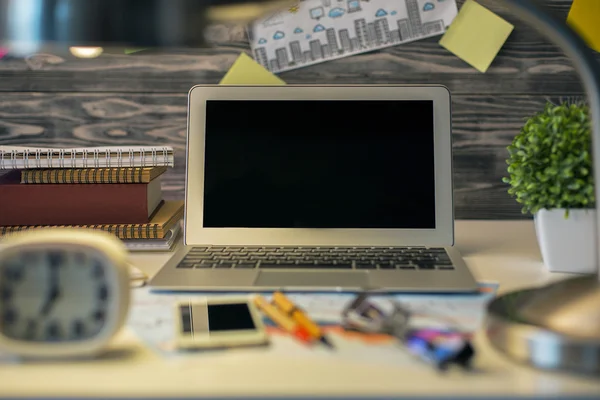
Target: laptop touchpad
(314,279)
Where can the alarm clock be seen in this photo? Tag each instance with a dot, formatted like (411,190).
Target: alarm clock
(63,292)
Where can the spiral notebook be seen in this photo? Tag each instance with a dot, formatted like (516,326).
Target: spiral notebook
(166,217)
(91,175)
(165,244)
(16,157)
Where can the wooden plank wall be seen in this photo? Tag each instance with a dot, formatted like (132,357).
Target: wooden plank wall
(58,100)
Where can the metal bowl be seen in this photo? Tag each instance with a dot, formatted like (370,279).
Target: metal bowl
(556,327)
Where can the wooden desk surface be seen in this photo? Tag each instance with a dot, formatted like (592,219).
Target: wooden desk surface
(505,251)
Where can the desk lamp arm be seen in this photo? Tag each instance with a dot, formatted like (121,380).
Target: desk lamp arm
(556,326)
(586,65)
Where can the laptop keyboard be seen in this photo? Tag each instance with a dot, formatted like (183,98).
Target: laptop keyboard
(359,258)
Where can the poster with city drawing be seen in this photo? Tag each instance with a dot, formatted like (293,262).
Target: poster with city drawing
(313,31)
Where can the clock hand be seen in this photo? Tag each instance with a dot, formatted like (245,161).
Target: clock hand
(54,291)
(49,302)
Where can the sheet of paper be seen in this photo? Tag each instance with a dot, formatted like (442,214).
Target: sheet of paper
(584,17)
(246,71)
(152,319)
(313,31)
(476,35)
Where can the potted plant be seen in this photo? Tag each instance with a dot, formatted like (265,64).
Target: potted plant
(551,175)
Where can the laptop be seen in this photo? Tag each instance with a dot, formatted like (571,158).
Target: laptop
(318,188)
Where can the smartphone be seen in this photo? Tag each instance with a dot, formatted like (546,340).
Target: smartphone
(219,322)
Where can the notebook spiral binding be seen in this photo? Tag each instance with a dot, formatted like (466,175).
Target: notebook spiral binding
(86,158)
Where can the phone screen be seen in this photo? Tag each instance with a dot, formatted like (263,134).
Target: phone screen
(229,317)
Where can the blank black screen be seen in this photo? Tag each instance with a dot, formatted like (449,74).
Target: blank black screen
(319,164)
(229,317)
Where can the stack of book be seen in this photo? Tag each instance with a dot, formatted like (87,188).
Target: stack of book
(117,190)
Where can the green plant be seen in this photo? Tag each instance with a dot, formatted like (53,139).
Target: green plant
(549,163)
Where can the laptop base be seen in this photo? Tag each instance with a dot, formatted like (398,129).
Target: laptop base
(171,278)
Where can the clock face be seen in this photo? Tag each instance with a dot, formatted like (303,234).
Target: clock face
(53,295)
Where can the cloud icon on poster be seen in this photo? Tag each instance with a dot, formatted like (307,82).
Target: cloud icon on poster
(278,35)
(316,13)
(428,6)
(262,41)
(395,12)
(318,28)
(298,30)
(381,13)
(336,12)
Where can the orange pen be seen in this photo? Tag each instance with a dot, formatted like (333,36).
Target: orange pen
(282,320)
(284,304)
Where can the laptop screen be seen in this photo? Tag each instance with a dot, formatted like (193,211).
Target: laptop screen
(319,164)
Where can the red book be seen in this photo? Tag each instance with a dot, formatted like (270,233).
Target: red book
(76,204)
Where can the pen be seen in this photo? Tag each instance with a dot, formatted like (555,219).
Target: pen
(283,321)
(439,347)
(284,304)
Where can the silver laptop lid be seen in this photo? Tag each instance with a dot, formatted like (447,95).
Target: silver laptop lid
(319,165)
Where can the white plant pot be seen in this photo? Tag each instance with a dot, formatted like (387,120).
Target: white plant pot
(567,245)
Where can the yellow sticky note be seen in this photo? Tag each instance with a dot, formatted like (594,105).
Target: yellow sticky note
(246,71)
(584,18)
(132,51)
(476,35)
